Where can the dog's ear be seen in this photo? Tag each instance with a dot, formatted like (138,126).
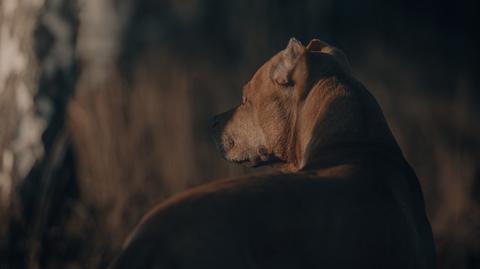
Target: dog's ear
(282,71)
(317,45)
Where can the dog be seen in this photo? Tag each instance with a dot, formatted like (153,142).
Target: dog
(345,196)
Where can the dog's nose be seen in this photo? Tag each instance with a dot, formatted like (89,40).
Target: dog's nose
(214,122)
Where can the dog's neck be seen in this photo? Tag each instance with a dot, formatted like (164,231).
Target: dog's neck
(351,154)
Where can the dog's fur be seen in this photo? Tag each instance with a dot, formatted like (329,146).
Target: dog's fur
(348,198)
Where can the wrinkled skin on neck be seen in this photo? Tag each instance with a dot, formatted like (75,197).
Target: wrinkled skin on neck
(297,107)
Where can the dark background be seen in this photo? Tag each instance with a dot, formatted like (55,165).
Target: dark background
(134,131)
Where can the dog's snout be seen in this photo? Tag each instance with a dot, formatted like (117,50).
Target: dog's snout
(223,138)
(228,143)
(218,121)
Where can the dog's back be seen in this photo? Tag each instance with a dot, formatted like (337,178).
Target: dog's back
(361,214)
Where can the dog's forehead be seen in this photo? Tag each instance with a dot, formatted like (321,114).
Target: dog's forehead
(257,81)
(263,73)
(261,77)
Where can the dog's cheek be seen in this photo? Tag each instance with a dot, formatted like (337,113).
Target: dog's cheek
(275,121)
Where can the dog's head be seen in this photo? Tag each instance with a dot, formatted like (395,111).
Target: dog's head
(282,107)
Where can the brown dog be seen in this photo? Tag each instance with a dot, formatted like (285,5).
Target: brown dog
(348,200)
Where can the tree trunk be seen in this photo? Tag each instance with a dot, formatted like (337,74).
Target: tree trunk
(37,77)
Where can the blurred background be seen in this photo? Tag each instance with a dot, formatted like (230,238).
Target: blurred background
(104,108)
